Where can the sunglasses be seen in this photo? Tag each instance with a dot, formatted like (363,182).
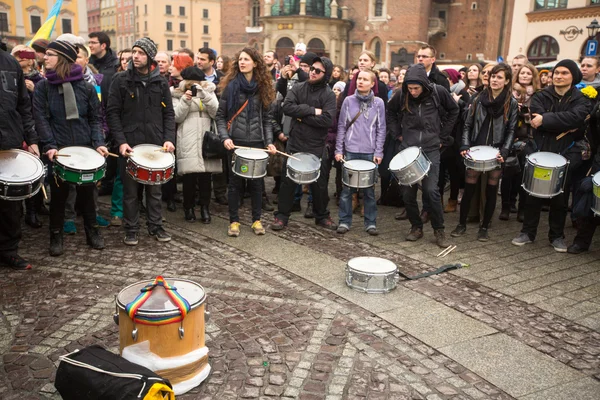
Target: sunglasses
(317,71)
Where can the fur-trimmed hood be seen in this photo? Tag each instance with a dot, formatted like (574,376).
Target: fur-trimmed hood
(184,85)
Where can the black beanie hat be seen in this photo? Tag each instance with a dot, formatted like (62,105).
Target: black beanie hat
(65,49)
(193,74)
(573,68)
(308,58)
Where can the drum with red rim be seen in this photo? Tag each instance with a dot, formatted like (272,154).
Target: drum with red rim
(150,165)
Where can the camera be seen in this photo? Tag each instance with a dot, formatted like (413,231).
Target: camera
(287,60)
(194,90)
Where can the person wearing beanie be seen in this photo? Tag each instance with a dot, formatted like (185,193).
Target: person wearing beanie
(295,71)
(338,88)
(67,113)
(299,50)
(556,131)
(140,111)
(40,47)
(312,107)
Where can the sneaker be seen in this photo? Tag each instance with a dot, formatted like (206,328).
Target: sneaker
(116,221)
(258,228)
(522,239)
(278,224)
(327,223)
(414,234)
(559,245)
(15,262)
(482,235)
(372,231)
(160,234)
(459,231)
(341,229)
(234,229)
(69,228)
(101,222)
(440,238)
(131,238)
(576,249)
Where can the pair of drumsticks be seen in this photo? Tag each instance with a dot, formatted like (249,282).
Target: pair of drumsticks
(257,148)
(68,155)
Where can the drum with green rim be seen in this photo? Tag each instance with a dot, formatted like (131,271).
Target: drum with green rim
(80,165)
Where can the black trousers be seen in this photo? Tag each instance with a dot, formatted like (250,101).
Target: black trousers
(203,180)
(85,199)
(586,227)
(318,188)
(451,161)
(10,226)
(221,180)
(236,189)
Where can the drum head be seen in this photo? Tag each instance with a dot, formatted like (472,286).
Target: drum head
(404,158)
(252,154)
(360,165)
(308,162)
(547,159)
(81,158)
(596,179)
(19,166)
(483,153)
(374,265)
(159,302)
(147,156)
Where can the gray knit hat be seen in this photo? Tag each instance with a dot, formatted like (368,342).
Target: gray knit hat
(147,45)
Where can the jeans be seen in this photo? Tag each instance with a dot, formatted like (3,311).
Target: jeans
(298,194)
(431,194)
(116,200)
(345,211)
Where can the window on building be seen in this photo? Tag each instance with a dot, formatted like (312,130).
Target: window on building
(182,27)
(205,44)
(168,10)
(378,50)
(145,8)
(205,13)
(550,4)
(120,20)
(543,49)
(182,43)
(474,5)
(182,11)
(66,26)
(255,13)
(169,26)
(205,29)
(592,2)
(36,23)
(378,8)
(4,22)
(145,26)
(169,45)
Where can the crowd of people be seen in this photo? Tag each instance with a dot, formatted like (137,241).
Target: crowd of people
(79,92)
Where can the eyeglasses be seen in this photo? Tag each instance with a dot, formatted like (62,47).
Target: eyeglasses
(93,42)
(422,56)
(317,71)
(51,55)
(485,72)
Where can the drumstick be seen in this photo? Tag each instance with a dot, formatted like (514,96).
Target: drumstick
(446,251)
(62,155)
(449,251)
(287,155)
(161,149)
(441,252)
(44,192)
(113,155)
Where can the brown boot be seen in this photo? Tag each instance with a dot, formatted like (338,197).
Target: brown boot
(451,206)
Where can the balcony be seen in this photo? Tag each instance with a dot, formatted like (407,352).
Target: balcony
(437,26)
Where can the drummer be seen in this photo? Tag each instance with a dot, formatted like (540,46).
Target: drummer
(140,111)
(360,135)
(17,127)
(490,121)
(66,110)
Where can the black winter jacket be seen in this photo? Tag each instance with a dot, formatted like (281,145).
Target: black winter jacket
(503,132)
(16,121)
(107,66)
(244,128)
(140,112)
(561,114)
(51,119)
(435,76)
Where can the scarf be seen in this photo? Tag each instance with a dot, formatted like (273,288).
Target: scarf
(352,87)
(88,76)
(240,85)
(494,106)
(76,74)
(365,102)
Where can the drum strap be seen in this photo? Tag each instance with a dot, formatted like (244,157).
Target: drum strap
(443,268)
(236,114)
(353,120)
(145,293)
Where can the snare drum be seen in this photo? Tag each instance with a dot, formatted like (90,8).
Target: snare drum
(410,166)
(21,175)
(157,338)
(544,174)
(250,164)
(359,174)
(596,202)
(150,165)
(482,158)
(371,274)
(305,171)
(83,166)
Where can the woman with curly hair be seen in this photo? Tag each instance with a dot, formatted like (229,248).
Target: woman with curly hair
(124,58)
(223,64)
(244,119)
(338,75)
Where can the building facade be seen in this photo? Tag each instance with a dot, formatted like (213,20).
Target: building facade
(93,15)
(21,19)
(108,20)
(549,30)
(125,24)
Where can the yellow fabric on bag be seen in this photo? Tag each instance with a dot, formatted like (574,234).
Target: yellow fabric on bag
(160,391)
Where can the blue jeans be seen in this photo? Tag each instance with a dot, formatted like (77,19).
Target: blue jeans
(298,194)
(345,210)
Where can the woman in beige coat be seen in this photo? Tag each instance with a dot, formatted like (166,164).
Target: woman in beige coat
(193,115)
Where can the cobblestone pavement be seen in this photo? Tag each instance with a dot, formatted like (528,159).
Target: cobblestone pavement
(273,334)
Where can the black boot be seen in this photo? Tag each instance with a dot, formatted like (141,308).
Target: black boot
(205,215)
(190,216)
(56,244)
(309,213)
(31,217)
(504,214)
(94,238)
(266,204)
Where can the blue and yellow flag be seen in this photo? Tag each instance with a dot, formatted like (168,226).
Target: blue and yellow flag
(46,29)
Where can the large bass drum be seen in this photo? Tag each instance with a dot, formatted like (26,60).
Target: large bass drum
(544,174)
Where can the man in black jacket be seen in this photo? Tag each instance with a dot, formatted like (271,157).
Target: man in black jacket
(140,111)
(558,116)
(426,56)
(311,105)
(426,120)
(16,126)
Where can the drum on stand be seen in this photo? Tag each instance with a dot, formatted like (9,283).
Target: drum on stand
(306,170)
(250,164)
(359,174)
(150,165)
(482,158)
(544,174)
(21,175)
(410,166)
(371,274)
(596,185)
(83,165)
(157,337)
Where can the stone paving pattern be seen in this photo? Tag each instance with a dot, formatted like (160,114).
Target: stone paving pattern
(273,334)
